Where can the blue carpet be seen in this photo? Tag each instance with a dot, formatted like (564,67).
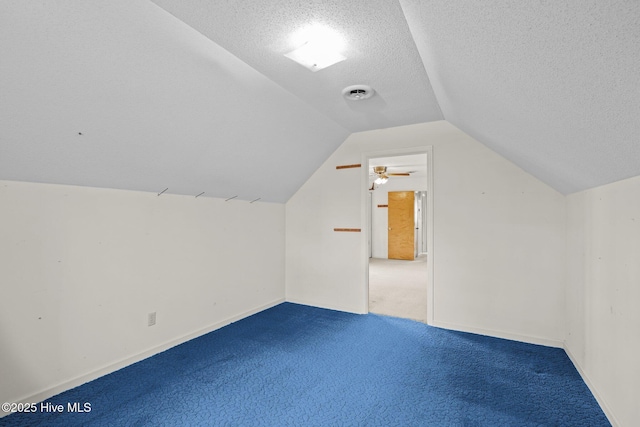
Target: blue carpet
(295,365)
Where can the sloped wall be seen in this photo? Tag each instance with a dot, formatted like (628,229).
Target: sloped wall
(603,294)
(499,237)
(81,268)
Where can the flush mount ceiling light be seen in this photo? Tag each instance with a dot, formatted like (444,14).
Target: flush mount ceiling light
(319,47)
(358,92)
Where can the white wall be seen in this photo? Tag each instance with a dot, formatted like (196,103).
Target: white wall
(380,216)
(499,236)
(603,294)
(81,268)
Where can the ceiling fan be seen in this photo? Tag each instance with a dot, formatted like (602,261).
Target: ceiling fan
(382,176)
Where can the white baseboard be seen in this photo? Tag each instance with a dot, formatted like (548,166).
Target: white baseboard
(327,307)
(454,327)
(499,334)
(541,341)
(67,385)
(603,404)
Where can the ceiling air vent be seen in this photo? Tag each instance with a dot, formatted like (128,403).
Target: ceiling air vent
(358,92)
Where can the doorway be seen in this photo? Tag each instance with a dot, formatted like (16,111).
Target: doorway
(397,236)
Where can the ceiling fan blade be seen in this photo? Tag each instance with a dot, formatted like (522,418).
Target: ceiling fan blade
(399,174)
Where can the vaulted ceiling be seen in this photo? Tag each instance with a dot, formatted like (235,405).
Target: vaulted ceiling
(198,97)
(554,86)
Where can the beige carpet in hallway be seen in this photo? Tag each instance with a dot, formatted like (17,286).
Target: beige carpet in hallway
(398,288)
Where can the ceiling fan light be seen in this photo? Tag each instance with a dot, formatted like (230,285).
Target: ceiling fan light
(379,169)
(381,180)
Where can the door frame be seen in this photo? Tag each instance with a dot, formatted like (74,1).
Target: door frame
(366,221)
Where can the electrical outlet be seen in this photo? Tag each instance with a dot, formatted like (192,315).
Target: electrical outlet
(151,319)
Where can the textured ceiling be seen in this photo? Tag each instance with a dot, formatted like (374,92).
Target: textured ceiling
(554,86)
(197,96)
(379,49)
(158,105)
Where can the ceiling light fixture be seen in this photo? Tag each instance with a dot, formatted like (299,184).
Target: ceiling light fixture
(381,180)
(319,47)
(381,172)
